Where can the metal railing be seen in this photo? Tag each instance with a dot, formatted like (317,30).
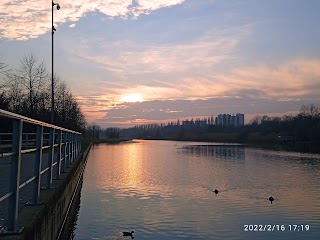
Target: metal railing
(28,139)
(64,145)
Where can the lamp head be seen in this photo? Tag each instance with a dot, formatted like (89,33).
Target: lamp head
(58,6)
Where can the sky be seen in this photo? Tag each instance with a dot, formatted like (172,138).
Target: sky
(132,62)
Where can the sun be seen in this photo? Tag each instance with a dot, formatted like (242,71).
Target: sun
(132,98)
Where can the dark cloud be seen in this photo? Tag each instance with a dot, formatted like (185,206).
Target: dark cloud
(168,110)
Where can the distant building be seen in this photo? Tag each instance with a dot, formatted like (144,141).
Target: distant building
(239,120)
(227,120)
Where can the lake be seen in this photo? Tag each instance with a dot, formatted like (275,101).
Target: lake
(165,190)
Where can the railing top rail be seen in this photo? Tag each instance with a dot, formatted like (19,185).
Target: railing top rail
(7,114)
(25,133)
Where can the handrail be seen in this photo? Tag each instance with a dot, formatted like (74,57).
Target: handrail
(6,114)
(64,146)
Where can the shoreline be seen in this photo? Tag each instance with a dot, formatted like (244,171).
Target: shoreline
(111,140)
(298,146)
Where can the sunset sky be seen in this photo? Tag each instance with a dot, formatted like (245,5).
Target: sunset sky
(130,62)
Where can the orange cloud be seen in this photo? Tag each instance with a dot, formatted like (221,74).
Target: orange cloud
(290,81)
(294,78)
(30,19)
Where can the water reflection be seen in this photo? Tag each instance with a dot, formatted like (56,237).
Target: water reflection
(70,225)
(165,190)
(221,152)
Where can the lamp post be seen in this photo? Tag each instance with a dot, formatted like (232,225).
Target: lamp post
(52,81)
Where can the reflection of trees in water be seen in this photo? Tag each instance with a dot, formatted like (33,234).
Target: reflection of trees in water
(236,152)
(70,225)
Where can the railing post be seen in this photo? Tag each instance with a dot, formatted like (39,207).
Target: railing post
(78,149)
(27,140)
(77,145)
(69,148)
(66,150)
(15,175)
(37,165)
(63,155)
(51,155)
(73,148)
(59,153)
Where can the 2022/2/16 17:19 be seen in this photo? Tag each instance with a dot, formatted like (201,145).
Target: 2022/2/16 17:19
(275,227)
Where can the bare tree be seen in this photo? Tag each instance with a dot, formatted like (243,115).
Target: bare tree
(61,93)
(256,120)
(27,91)
(16,95)
(3,67)
(310,110)
(33,77)
(3,70)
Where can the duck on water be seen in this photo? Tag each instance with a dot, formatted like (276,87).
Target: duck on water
(128,234)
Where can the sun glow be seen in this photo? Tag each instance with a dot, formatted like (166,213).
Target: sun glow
(132,98)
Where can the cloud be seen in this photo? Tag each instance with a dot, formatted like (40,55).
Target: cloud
(145,6)
(260,89)
(203,68)
(164,111)
(30,19)
(291,80)
(129,59)
(72,25)
(296,78)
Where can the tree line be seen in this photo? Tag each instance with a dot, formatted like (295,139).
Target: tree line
(26,90)
(304,126)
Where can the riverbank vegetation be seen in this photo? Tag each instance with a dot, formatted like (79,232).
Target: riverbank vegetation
(26,90)
(301,128)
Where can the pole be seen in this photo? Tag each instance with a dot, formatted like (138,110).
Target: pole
(52,82)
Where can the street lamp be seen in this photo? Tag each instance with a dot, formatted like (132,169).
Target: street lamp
(52,82)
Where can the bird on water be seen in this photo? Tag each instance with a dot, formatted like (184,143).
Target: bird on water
(271,199)
(128,234)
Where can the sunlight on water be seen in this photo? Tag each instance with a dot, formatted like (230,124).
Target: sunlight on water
(165,190)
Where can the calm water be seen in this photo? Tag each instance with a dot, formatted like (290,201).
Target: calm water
(165,190)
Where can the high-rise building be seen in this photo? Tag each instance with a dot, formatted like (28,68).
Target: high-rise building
(239,120)
(227,120)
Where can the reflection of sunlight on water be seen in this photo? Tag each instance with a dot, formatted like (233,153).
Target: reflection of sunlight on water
(127,177)
(133,174)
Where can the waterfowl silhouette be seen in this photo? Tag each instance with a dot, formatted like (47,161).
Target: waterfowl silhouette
(271,199)
(216,191)
(128,234)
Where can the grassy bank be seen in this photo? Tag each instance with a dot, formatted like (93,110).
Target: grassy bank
(85,143)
